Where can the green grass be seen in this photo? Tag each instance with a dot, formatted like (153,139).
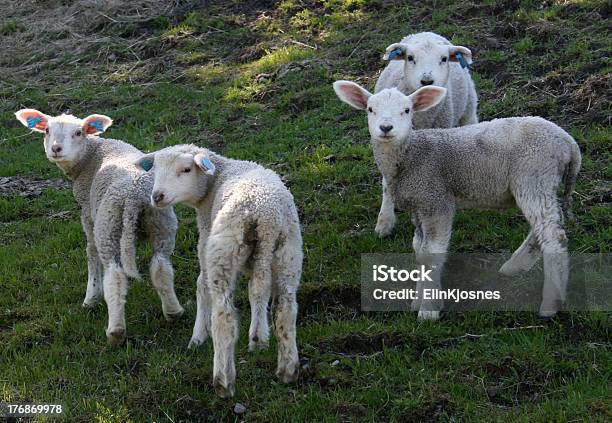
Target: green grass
(255,83)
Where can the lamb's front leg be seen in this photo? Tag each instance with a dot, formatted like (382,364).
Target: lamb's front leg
(95,273)
(386,216)
(201,329)
(435,237)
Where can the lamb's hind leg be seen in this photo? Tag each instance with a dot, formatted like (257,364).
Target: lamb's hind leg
(161,226)
(287,273)
(544,214)
(524,257)
(222,261)
(386,216)
(95,274)
(115,292)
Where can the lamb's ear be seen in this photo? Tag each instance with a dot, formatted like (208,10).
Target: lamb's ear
(96,124)
(396,51)
(204,163)
(426,97)
(460,54)
(352,94)
(146,162)
(33,119)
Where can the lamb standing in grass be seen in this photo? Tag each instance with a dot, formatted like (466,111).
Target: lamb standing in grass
(496,164)
(114,198)
(425,59)
(245,216)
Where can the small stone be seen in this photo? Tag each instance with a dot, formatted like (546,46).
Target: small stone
(335,363)
(53,265)
(240,408)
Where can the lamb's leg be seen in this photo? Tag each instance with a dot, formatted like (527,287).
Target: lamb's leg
(436,233)
(417,240)
(115,292)
(544,215)
(524,257)
(259,295)
(287,273)
(201,329)
(386,216)
(95,274)
(222,267)
(162,277)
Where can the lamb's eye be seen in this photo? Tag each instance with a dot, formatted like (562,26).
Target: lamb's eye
(370,109)
(444,59)
(78,133)
(47,131)
(410,58)
(187,170)
(407,111)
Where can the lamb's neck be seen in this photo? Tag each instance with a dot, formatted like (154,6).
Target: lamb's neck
(75,169)
(387,156)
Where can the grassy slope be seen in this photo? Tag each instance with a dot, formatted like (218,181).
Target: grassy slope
(240,80)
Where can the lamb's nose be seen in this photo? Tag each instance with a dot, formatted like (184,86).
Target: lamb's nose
(158,196)
(426,82)
(386,128)
(56,149)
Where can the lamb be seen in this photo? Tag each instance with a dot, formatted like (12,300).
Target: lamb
(114,198)
(498,164)
(425,59)
(247,220)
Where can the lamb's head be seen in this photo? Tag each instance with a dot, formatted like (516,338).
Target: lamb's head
(389,111)
(65,136)
(427,61)
(182,174)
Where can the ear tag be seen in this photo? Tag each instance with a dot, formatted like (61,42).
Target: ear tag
(146,165)
(33,121)
(394,53)
(462,61)
(210,167)
(97,124)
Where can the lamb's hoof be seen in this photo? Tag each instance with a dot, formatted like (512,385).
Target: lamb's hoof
(384,227)
(174,316)
(116,336)
(511,268)
(222,390)
(257,344)
(428,315)
(415,305)
(196,342)
(91,302)
(547,314)
(288,373)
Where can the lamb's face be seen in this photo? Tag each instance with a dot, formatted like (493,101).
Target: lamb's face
(180,177)
(389,111)
(389,116)
(427,63)
(65,136)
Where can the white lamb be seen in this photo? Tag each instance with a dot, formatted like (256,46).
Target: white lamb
(114,198)
(425,59)
(496,164)
(246,219)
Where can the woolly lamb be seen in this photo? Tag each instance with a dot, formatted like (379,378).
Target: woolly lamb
(428,59)
(247,221)
(496,164)
(114,198)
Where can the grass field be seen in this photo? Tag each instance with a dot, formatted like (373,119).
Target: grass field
(252,80)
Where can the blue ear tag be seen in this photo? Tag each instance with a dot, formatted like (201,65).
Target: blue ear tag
(146,164)
(33,121)
(464,64)
(395,53)
(97,124)
(210,167)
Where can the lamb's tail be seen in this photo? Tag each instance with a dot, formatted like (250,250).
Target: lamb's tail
(569,176)
(129,237)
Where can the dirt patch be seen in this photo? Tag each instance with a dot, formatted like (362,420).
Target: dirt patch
(314,300)
(29,188)
(362,344)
